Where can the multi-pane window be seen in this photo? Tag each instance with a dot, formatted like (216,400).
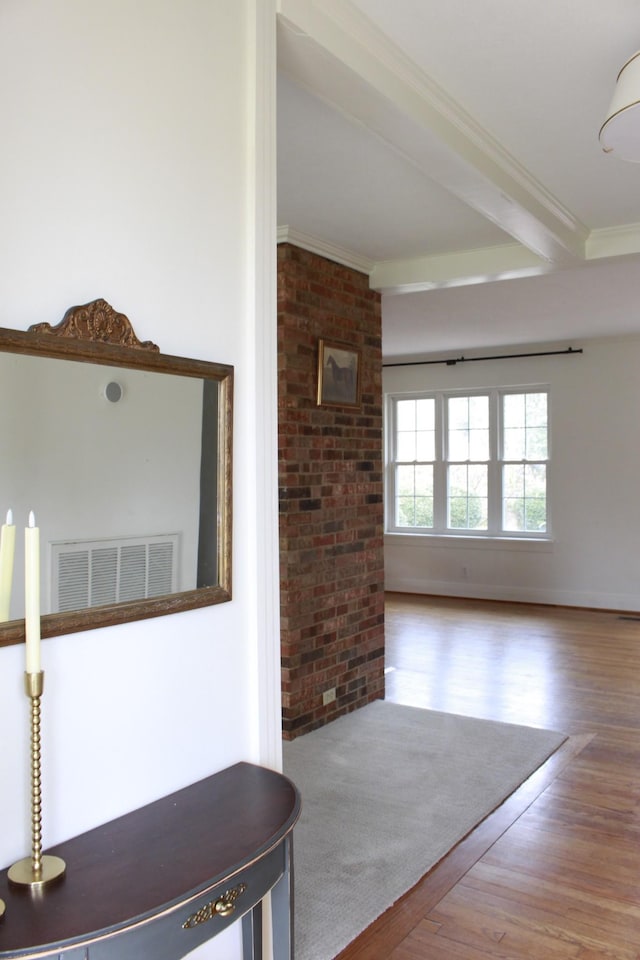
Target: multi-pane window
(468,455)
(524,462)
(469,463)
(415,443)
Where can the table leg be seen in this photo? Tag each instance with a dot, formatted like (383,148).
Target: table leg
(282,909)
(252,933)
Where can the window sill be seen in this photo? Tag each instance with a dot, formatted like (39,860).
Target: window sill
(455,542)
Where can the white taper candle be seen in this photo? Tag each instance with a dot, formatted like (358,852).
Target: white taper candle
(32,594)
(7,548)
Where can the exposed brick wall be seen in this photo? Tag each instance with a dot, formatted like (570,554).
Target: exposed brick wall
(331,508)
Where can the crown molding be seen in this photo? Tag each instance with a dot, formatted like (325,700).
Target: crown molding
(483,265)
(325,249)
(462,267)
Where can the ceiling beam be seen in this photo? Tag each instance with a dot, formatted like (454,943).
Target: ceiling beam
(613,242)
(339,55)
(487,264)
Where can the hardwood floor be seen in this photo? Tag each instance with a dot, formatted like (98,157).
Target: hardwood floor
(554,873)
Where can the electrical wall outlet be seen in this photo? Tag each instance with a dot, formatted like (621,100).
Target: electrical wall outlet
(328,696)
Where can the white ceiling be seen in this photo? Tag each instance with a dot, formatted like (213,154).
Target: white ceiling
(443,146)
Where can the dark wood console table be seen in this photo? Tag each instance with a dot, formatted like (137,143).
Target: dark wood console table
(158,882)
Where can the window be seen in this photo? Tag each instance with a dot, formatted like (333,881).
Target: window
(469,464)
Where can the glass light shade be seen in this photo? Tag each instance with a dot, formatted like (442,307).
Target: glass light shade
(620,133)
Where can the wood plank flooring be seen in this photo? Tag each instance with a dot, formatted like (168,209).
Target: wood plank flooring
(554,873)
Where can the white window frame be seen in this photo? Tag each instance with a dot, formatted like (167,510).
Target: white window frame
(440,464)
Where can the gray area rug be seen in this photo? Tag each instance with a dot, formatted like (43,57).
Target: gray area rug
(387,791)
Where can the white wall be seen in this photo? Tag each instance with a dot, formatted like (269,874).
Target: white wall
(592,557)
(133,135)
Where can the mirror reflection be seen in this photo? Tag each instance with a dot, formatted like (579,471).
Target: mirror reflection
(127,470)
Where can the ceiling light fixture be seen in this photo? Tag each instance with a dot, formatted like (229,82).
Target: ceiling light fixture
(620,133)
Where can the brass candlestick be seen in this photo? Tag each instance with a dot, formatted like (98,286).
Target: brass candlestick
(36,870)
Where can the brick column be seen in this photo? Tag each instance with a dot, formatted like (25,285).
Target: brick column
(331,505)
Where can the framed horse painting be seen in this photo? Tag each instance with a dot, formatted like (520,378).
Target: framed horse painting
(338,374)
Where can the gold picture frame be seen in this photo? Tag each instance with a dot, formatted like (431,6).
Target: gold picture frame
(338,374)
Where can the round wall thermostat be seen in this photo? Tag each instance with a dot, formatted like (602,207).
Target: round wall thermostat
(113,391)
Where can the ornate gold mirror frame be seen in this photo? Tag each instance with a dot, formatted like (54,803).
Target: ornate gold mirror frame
(95,333)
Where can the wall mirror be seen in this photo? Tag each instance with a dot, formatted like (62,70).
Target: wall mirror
(124,456)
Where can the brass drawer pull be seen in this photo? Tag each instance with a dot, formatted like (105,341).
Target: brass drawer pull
(224,906)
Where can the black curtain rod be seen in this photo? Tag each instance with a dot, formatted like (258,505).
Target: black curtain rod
(503,356)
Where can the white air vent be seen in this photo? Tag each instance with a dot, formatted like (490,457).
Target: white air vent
(90,573)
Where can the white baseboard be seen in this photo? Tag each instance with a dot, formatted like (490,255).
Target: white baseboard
(477,591)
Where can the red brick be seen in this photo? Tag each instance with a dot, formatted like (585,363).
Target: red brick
(331,532)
